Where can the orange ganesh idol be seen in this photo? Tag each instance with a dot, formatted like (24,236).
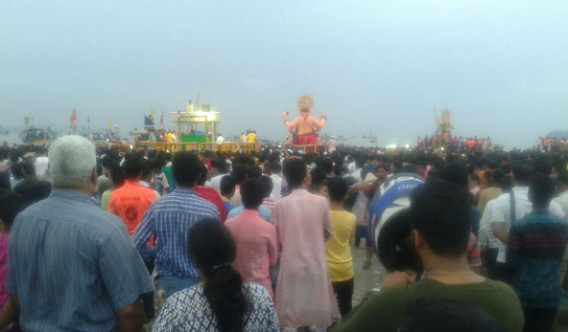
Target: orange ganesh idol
(305,126)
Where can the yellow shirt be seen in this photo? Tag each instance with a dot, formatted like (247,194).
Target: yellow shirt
(251,137)
(337,249)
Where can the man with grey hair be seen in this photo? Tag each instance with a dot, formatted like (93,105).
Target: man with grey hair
(72,265)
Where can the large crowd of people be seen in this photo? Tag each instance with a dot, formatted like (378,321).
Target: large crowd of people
(96,239)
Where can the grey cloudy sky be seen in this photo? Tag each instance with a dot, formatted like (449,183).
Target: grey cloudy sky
(380,66)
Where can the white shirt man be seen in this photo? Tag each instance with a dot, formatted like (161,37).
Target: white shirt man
(220,139)
(277,187)
(216,182)
(41,166)
(352,167)
(523,207)
(331,145)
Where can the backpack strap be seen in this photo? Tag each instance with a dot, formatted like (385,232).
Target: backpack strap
(512,206)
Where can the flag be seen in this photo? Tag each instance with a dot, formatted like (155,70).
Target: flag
(28,119)
(162,119)
(110,127)
(152,114)
(72,120)
(197,100)
(148,121)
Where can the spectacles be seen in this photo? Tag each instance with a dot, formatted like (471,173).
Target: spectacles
(304,111)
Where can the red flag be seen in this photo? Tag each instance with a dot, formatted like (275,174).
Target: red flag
(73,116)
(197,100)
(162,119)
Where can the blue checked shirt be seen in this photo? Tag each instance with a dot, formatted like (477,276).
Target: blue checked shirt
(169,219)
(263,211)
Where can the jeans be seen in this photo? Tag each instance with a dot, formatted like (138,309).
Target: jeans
(498,271)
(344,293)
(539,320)
(170,285)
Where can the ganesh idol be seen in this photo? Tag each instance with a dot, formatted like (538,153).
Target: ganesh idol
(304,127)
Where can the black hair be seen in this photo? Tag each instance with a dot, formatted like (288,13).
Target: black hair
(252,193)
(327,164)
(496,177)
(157,164)
(441,212)
(543,167)
(254,172)
(456,173)
(185,169)
(202,174)
(240,173)
(383,166)
(427,314)
(337,188)
(147,168)
(337,170)
(275,167)
(397,166)
(268,185)
(295,172)
(213,250)
(107,159)
(132,167)
(116,174)
(474,177)
(522,171)
(10,205)
(33,191)
(221,166)
(541,191)
(506,184)
(228,184)
(318,175)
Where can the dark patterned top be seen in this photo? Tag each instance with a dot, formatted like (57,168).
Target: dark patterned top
(188,310)
(536,246)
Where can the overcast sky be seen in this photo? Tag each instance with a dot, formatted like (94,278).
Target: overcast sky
(380,66)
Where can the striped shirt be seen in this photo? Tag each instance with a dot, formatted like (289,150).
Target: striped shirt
(169,220)
(73,265)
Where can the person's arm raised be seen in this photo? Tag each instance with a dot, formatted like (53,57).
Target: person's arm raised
(318,124)
(290,124)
